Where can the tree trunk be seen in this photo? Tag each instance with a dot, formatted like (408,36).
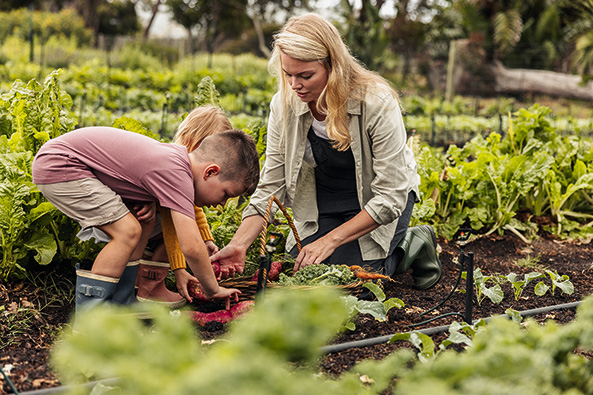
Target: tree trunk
(540,82)
(260,36)
(155,10)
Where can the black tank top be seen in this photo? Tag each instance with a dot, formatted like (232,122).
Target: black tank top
(335,177)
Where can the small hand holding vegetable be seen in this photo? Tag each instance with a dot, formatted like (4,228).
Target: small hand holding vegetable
(183,280)
(197,292)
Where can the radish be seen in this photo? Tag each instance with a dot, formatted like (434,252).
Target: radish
(274,274)
(240,309)
(196,292)
(216,268)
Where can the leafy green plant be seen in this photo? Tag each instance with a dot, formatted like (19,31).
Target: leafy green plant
(519,285)
(494,293)
(377,308)
(558,281)
(276,349)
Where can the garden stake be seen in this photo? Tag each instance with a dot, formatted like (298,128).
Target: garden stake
(469,287)
(265,261)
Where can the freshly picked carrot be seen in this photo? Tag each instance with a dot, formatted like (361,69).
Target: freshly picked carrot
(362,274)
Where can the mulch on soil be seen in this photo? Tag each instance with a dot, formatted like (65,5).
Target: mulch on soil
(26,351)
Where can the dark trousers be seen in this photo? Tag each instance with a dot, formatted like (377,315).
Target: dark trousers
(349,253)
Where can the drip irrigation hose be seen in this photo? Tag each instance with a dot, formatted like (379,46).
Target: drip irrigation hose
(438,329)
(469,294)
(10,384)
(68,388)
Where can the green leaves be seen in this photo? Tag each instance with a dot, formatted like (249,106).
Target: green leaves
(31,114)
(485,183)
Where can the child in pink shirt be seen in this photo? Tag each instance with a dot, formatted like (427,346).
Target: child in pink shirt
(95,174)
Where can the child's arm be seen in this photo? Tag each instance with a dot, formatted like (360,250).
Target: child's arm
(174,254)
(205,230)
(197,257)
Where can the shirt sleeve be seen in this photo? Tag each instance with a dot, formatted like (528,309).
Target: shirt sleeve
(203,224)
(392,161)
(176,258)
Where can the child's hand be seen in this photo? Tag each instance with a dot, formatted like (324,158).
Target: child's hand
(182,279)
(227,293)
(212,248)
(145,212)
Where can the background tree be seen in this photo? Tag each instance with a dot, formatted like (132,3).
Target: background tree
(365,32)
(580,32)
(216,19)
(152,6)
(263,12)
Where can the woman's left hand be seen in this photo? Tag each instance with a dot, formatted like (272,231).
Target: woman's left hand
(314,253)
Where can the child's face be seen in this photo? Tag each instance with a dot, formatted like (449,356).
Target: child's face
(211,191)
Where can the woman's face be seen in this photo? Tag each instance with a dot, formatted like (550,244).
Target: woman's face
(307,79)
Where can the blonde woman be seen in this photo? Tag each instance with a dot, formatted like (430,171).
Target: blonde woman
(199,124)
(337,154)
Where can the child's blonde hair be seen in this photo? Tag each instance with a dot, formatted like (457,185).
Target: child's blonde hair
(202,122)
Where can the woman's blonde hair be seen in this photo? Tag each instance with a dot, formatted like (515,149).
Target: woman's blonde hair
(312,38)
(200,123)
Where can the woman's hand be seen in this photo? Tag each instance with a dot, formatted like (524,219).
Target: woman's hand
(231,259)
(315,253)
(182,280)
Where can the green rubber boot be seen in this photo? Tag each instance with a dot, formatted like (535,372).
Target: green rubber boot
(93,289)
(418,248)
(125,292)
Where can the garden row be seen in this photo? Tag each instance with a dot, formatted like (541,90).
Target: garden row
(490,184)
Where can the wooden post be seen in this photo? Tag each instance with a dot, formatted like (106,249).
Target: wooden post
(449,89)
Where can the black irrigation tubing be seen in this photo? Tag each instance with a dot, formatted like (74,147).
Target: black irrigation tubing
(68,388)
(438,329)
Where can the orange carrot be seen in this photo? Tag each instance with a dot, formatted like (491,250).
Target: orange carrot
(362,274)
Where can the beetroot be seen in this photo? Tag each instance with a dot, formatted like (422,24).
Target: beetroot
(274,274)
(202,319)
(241,308)
(196,292)
(216,268)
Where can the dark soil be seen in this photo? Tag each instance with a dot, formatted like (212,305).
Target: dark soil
(30,319)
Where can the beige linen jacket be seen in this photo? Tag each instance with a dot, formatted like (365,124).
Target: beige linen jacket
(385,168)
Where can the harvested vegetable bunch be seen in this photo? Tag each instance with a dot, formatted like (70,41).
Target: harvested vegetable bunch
(321,274)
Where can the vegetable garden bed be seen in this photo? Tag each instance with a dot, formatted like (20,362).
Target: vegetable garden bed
(32,313)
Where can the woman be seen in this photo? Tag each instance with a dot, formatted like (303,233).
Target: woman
(336,153)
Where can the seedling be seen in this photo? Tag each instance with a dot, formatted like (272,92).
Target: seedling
(377,308)
(493,293)
(558,281)
(519,285)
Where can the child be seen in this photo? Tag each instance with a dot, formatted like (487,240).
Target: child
(88,173)
(200,123)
